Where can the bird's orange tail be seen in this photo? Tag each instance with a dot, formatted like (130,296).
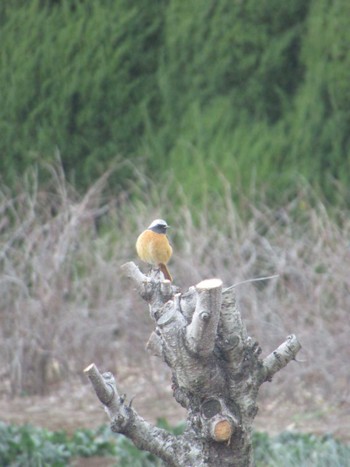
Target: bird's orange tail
(165,272)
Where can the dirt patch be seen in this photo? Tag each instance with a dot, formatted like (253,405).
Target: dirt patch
(74,405)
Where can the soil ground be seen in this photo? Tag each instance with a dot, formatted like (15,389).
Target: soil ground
(74,405)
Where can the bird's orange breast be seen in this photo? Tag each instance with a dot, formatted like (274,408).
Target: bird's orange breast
(153,248)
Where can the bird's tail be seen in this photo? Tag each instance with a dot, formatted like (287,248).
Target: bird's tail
(165,272)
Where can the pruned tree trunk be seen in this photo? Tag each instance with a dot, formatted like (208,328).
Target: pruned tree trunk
(216,375)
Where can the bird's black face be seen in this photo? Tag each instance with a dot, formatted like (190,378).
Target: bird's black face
(159,226)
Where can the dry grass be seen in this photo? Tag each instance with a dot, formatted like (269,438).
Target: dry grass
(64,304)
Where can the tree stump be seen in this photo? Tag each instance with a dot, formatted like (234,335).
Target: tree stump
(216,374)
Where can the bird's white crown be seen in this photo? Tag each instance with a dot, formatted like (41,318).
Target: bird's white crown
(158,222)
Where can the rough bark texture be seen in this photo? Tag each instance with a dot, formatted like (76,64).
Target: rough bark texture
(216,374)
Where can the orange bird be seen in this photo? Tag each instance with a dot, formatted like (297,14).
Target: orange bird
(153,246)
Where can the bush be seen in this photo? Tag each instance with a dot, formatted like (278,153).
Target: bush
(254,89)
(316,128)
(78,77)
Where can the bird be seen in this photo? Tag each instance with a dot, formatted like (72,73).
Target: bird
(153,246)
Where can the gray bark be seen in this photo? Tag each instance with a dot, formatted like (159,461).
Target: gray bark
(216,374)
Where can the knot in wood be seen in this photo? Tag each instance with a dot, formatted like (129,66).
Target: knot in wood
(210,408)
(120,424)
(147,289)
(204,315)
(232,342)
(107,376)
(166,315)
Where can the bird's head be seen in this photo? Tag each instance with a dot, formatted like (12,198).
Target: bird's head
(158,226)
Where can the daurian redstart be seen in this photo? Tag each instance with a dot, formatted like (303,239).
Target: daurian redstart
(153,246)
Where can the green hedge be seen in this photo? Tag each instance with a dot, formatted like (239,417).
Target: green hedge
(78,76)
(258,90)
(318,125)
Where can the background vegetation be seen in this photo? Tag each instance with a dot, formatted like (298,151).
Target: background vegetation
(258,90)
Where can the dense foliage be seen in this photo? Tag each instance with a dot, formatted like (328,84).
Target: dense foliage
(258,90)
(29,446)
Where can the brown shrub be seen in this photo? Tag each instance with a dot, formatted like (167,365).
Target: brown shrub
(64,303)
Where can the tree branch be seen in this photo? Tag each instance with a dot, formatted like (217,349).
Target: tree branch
(151,289)
(133,272)
(201,333)
(125,419)
(280,357)
(232,331)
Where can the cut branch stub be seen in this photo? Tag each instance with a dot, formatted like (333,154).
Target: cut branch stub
(219,422)
(232,334)
(201,333)
(105,388)
(220,429)
(280,357)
